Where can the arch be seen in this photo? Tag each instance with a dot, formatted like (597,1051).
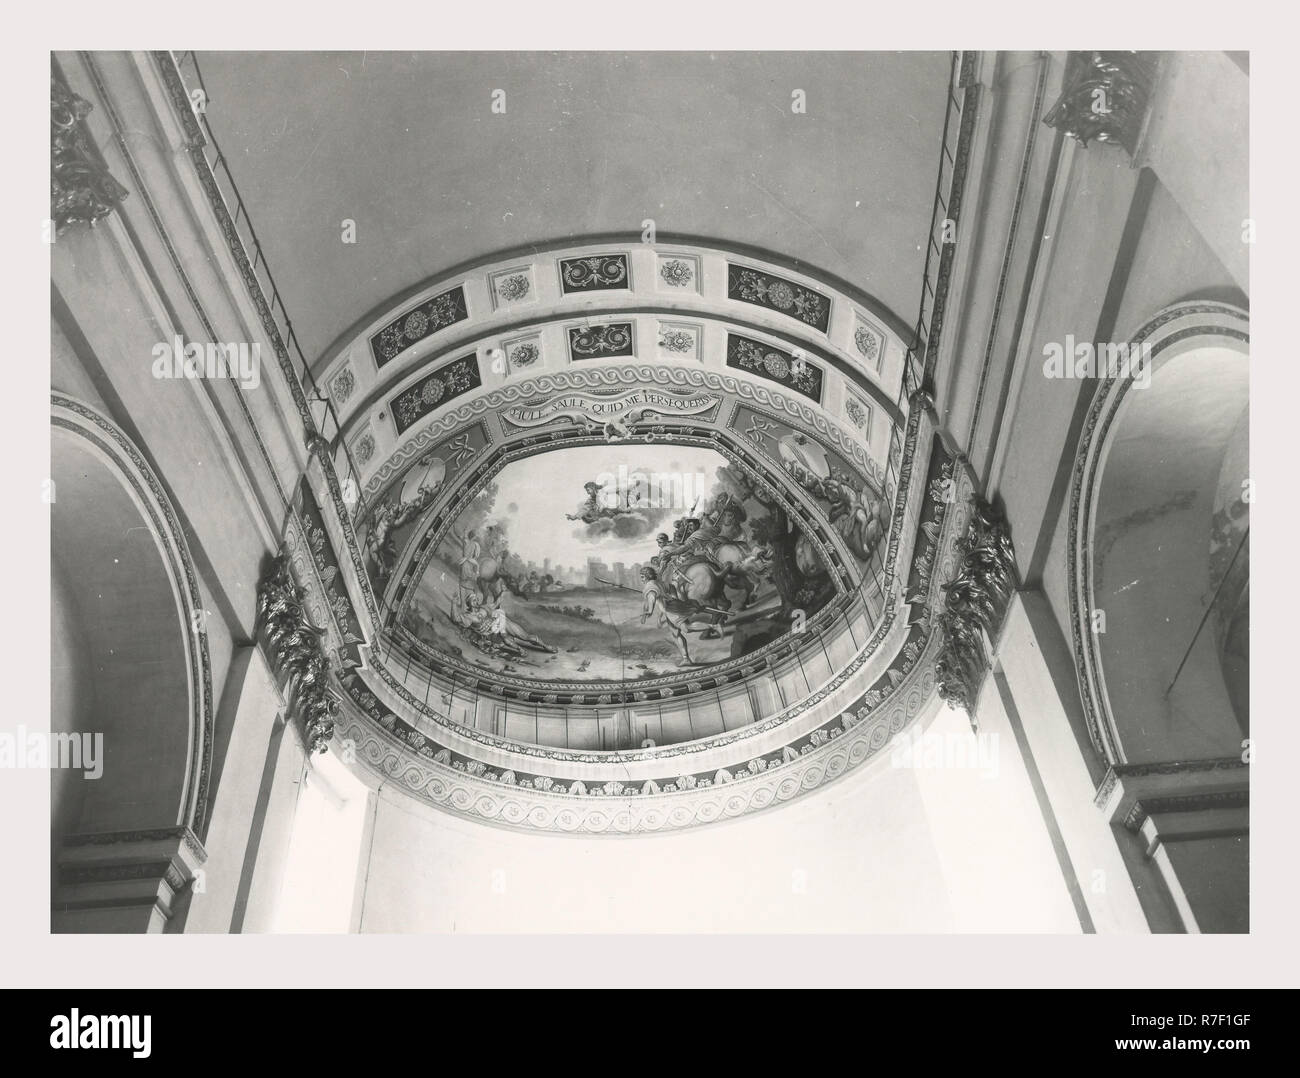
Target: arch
(453,370)
(668,240)
(870,691)
(677,304)
(128,635)
(1152,539)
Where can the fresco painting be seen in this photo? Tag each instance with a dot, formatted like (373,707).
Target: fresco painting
(659,560)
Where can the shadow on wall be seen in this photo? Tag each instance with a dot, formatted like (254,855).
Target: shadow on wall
(119,674)
(1170,564)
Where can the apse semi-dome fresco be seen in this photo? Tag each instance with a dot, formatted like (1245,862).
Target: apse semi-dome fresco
(665,559)
(642,556)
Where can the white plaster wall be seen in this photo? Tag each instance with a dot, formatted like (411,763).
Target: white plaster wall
(995,852)
(865,854)
(251,703)
(856,857)
(1086,835)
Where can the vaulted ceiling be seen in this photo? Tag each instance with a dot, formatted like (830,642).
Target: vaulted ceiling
(708,144)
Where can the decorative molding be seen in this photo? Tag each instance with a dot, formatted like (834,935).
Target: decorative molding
(679,272)
(811,421)
(1116,772)
(859,414)
(869,342)
(411,327)
(320,448)
(512,287)
(648,303)
(594,806)
(607,340)
(173,256)
(523,353)
(294,649)
(594,273)
(775,364)
(629,375)
(970,102)
(342,385)
(919,629)
(605,411)
(750,285)
(184,109)
(1008,253)
(182,833)
(680,340)
(709,253)
(363,447)
(435,390)
(975,601)
(325,565)
(144,870)
(1197,802)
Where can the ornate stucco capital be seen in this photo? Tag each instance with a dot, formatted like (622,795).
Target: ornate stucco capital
(295,649)
(1105,98)
(81,189)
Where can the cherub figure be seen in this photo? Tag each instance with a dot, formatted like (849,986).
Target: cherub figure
(591,511)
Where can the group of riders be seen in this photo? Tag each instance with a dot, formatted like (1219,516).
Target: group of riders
(690,574)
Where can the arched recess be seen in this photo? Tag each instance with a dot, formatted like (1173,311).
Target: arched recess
(1158,529)
(129,652)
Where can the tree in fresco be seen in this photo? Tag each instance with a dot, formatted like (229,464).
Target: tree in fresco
(474,517)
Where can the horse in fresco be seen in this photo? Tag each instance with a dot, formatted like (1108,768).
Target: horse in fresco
(482,569)
(698,579)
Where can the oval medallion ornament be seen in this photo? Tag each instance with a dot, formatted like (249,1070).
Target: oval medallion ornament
(775,365)
(524,355)
(432,391)
(781,295)
(867,344)
(513,288)
(676,273)
(416,324)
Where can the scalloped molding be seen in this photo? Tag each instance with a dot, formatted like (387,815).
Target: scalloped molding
(733,793)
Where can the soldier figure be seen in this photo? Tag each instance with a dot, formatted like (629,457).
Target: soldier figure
(657,603)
